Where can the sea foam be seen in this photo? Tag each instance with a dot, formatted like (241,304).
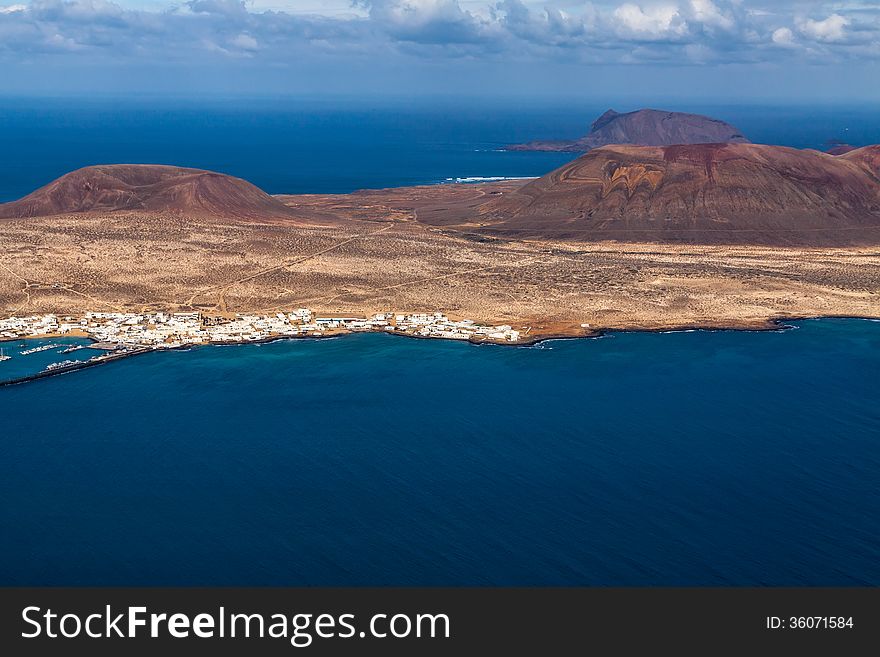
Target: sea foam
(480,179)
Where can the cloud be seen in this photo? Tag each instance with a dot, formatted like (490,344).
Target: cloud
(711,15)
(105,31)
(230,8)
(783,36)
(426,21)
(507,32)
(829,30)
(551,27)
(656,21)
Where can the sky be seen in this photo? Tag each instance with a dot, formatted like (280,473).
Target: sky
(706,50)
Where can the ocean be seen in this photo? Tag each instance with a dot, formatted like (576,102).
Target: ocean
(691,458)
(701,458)
(299,146)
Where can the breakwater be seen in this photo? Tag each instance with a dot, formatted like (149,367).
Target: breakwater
(73,367)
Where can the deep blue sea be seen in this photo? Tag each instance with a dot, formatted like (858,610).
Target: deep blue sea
(301,146)
(684,458)
(693,458)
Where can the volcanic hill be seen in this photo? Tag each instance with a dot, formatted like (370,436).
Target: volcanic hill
(703,193)
(151,188)
(645,127)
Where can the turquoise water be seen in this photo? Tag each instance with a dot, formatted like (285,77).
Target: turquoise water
(696,458)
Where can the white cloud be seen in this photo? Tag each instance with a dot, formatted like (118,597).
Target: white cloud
(614,31)
(244,41)
(831,29)
(550,27)
(708,13)
(783,37)
(652,21)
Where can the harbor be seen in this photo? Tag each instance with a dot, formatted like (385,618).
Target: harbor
(69,365)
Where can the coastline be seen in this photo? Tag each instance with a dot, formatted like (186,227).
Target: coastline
(777,324)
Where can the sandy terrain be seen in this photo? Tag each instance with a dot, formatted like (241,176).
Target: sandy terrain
(378,256)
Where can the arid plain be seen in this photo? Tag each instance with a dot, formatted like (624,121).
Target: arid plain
(369,251)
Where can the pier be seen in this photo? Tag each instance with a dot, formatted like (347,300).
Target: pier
(75,366)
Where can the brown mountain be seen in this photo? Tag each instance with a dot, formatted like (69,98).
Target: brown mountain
(147,187)
(704,193)
(645,127)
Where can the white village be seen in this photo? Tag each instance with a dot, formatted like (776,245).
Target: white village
(118,334)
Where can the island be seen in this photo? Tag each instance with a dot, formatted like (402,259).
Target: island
(711,236)
(644,127)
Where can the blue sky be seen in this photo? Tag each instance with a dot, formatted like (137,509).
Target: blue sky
(730,50)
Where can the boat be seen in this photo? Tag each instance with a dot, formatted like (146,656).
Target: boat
(70,348)
(34,350)
(3,355)
(64,363)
